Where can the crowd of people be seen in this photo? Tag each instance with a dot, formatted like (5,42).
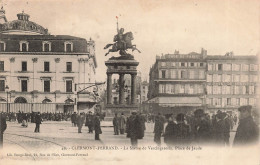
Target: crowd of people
(197,127)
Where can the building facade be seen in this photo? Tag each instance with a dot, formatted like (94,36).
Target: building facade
(232,81)
(43,72)
(189,81)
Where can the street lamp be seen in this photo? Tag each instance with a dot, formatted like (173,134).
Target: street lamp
(7,90)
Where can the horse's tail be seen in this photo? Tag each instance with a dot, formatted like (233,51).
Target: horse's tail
(107,46)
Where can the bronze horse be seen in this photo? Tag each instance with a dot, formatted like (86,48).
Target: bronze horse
(123,45)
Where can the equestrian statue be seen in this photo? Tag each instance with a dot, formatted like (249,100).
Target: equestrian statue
(122,42)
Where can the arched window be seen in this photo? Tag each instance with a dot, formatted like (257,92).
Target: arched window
(20,100)
(68,46)
(46,101)
(2,46)
(46,46)
(24,46)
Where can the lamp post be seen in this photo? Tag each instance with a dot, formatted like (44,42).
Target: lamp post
(7,90)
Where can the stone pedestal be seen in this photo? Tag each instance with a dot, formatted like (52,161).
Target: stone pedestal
(121,65)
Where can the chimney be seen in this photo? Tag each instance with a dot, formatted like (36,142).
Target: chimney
(203,52)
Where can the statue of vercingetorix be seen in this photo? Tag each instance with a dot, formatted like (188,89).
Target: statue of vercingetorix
(122,42)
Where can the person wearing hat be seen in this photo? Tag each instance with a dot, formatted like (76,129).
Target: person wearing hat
(73,119)
(169,132)
(134,128)
(247,131)
(158,129)
(97,126)
(116,124)
(181,130)
(219,128)
(89,122)
(38,121)
(202,133)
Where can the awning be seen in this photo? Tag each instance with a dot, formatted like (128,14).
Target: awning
(179,101)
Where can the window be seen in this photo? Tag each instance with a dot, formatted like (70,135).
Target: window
(68,46)
(228,101)
(162,88)
(209,78)
(69,86)
(236,78)
(46,66)
(24,66)
(201,74)
(2,65)
(182,64)
(24,85)
(2,85)
(228,89)
(220,66)
(46,46)
(227,78)
(217,101)
(172,63)
(191,90)
(251,89)
(69,66)
(46,85)
(172,88)
(163,73)
(237,101)
(210,66)
(2,46)
(244,78)
(237,90)
(181,89)
(24,46)
(215,78)
(183,74)
(236,67)
(245,67)
(253,67)
(173,74)
(227,67)
(219,78)
(192,64)
(201,64)
(163,63)
(192,74)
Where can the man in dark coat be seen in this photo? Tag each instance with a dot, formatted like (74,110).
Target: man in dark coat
(89,122)
(3,127)
(158,129)
(116,124)
(73,119)
(169,132)
(80,121)
(97,126)
(247,131)
(220,128)
(122,122)
(38,121)
(134,130)
(181,131)
(202,133)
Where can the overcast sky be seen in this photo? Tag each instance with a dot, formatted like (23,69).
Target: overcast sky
(159,27)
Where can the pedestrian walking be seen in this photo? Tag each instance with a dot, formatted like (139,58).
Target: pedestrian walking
(122,123)
(202,132)
(169,132)
(97,126)
(80,121)
(116,124)
(74,119)
(158,129)
(247,131)
(89,122)
(134,130)
(38,121)
(181,131)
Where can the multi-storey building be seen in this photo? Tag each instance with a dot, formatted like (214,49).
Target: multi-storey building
(38,68)
(144,91)
(177,80)
(212,82)
(231,81)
